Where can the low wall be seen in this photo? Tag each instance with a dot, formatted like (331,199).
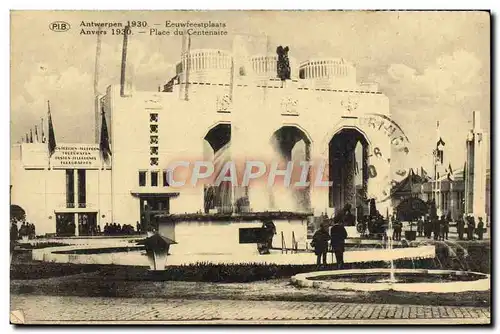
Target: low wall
(136,258)
(222,237)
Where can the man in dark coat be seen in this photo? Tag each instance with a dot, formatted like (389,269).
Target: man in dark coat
(446,227)
(320,243)
(338,234)
(480,229)
(461,228)
(471,224)
(420,226)
(436,227)
(428,227)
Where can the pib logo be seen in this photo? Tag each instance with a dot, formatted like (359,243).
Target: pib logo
(59,26)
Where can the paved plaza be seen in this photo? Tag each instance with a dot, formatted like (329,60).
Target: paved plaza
(51,309)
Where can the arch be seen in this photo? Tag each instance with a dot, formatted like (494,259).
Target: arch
(214,133)
(292,143)
(299,127)
(342,125)
(349,179)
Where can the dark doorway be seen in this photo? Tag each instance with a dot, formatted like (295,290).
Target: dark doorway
(150,207)
(87,223)
(65,224)
(348,170)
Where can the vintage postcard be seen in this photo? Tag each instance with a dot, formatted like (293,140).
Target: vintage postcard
(250,167)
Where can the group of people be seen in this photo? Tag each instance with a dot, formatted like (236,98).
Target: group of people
(439,227)
(117,229)
(336,236)
(467,225)
(26,230)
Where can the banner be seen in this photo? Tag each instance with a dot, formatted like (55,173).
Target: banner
(76,156)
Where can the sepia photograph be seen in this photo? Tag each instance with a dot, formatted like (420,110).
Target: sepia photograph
(250,167)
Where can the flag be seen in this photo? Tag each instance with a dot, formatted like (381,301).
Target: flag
(36,134)
(43,132)
(424,174)
(31,136)
(104,143)
(52,137)
(451,177)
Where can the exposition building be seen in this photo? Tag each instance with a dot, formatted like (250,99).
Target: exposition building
(219,106)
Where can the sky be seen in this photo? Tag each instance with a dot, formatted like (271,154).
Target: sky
(433,66)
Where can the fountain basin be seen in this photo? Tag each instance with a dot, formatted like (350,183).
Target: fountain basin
(407,280)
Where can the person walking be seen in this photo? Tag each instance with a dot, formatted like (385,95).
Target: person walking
(428,227)
(436,227)
(420,226)
(320,243)
(461,228)
(446,228)
(441,227)
(470,228)
(398,228)
(338,234)
(480,229)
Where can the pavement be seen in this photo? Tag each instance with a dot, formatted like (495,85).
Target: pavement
(30,309)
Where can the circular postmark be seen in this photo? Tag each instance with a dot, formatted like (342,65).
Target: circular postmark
(386,161)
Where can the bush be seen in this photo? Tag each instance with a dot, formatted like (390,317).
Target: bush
(250,272)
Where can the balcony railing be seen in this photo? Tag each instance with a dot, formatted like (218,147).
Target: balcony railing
(76,205)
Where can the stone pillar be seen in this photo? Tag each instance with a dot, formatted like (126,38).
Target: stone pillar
(319,195)
(75,187)
(451,207)
(479,181)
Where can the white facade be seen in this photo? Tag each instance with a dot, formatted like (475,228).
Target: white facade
(41,190)
(151,130)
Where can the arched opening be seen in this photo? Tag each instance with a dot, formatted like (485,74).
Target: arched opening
(348,171)
(216,148)
(291,144)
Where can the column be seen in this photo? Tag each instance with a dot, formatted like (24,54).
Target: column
(319,195)
(452,202)
(75,187)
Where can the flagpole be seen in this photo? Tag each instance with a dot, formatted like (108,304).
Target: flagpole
(47,171)
(187,69)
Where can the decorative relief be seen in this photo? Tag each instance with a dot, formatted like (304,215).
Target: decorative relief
(155,102)
(350,105)
(289,106)
(224,103)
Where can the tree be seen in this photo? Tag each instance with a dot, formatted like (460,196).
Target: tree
(412,208)
(17,214)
